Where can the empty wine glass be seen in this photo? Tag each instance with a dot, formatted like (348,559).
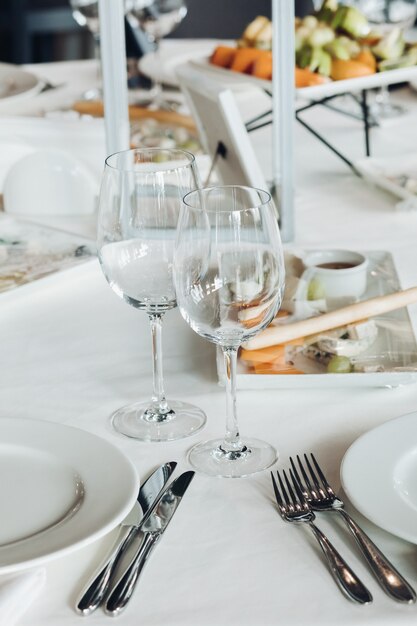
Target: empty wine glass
(140,200)
(157,18)
(86,14)
(384,16)
(229,277)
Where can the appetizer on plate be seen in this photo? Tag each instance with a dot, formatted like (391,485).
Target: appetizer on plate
(364,346)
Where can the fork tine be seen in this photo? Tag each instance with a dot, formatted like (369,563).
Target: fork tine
(304,473)
(290,489)
(312,474)
(320,473)
(283,490)
(298,480)
(298,489)
(276,490)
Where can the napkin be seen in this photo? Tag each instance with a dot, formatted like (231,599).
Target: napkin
(17,594)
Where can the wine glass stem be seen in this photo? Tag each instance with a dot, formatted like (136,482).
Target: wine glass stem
(156,83)
(158,396)
(97,55)
(232,439)
(382,96)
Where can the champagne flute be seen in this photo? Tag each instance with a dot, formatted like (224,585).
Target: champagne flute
(229,278)
(140,199)
(157,18)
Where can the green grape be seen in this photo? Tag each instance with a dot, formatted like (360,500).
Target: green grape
(161,157)
(315,290)
(191,145)
(339,365)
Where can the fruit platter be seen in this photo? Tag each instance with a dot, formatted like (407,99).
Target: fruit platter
(336,51)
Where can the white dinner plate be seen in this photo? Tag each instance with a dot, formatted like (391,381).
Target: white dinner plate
(61,488)
(379,476)
(17,83)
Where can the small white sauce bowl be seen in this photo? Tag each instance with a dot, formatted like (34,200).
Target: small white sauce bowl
(337,282)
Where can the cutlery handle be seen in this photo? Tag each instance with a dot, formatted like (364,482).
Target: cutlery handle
(123,590)
(347,580)
(99,583)
(387,575)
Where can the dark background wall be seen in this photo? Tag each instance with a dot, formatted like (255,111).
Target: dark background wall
(34,31)
(40,30)
(226,19)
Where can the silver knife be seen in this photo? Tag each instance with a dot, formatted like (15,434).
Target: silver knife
(153,529)
(149,493)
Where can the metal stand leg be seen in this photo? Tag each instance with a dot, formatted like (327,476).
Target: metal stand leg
(257,123)
(326,143)
(365,112)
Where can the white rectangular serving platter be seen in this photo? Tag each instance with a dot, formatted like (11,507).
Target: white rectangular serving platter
(379,171)
(31,253)
(316,92)
(399,342)
(68,277)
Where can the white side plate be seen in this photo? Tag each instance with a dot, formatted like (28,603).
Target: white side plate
(386,172)
(61,488)
(17,83)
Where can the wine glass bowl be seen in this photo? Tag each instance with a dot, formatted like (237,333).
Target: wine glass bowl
(85,13)
(229,277)
(157,18)
(140,199)
(384,15)
(231,298)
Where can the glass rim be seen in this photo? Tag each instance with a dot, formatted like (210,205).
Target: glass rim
(267,198)
(189,155)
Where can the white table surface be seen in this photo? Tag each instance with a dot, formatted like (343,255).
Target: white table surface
(72,352)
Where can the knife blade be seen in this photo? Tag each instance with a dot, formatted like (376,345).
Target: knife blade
(148,495)
(157,522)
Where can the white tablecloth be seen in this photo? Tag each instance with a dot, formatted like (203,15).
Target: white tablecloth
(72,352)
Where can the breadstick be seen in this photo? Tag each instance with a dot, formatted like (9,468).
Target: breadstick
(341,317)
(84,107)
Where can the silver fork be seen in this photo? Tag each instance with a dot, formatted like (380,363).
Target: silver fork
(321,497)
(293,507)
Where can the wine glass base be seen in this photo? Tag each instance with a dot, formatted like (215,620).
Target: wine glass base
(210,458)
(140,422)
(93,94)
(164,104)
(387,110)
